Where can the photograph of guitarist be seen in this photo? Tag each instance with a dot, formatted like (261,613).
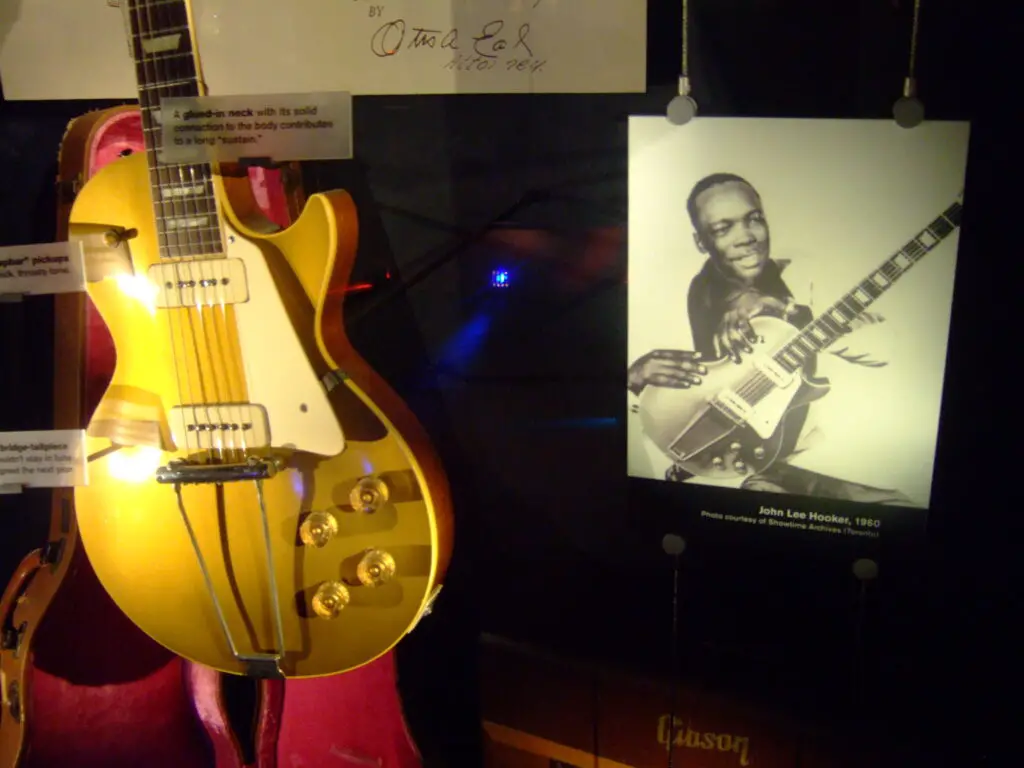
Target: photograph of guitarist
(738,281)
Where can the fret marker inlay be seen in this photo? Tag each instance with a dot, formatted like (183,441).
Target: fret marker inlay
(186,191)
(188,223)
(161,44)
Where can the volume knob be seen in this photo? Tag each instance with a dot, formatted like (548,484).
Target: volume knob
(369,495)
(376,568)
(739,466)
(330,599)
(318,529)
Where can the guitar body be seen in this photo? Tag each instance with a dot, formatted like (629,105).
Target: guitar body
(276,349)
(703,439)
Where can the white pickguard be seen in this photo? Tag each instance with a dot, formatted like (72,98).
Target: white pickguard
(278,374)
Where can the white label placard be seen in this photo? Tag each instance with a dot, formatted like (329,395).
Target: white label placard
(75,49)
(41,268)
(282,127)
(44,459)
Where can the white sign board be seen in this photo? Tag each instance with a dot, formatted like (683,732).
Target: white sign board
(286,126)
(48,459)
(76,49)
(41,268)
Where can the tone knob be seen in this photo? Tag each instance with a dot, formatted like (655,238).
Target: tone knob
(369,495)
(759,452)
(735,446)
(739,466)
(318,529)
(376,568)
(330,599)
(717,462)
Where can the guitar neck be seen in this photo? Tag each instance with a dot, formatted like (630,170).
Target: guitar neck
(834,322)
(185,206)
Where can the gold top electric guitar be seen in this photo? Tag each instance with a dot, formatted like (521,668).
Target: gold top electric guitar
(259,500)
(743,418)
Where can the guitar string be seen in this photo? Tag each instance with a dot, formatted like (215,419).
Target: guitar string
(138,14)
(182,312)
(174,251)
(169,195)
(229,361)
(230,358)
(186,211)
(196,257)
(216,345)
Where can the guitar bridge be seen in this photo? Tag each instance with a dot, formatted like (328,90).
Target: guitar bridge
(190,473)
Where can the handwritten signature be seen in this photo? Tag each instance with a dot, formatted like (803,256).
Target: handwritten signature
(488,43)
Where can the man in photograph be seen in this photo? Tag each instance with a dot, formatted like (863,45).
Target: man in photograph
(739,281)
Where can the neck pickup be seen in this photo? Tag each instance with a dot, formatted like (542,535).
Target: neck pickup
(200,283)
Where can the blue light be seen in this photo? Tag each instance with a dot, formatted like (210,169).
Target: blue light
(500,278)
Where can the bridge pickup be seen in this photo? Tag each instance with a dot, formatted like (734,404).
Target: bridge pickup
(219,426)
(186,473)
(203,282)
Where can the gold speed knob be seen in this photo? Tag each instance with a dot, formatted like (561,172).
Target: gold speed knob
(369,495)
(318,529)
(330,599)
(376,568)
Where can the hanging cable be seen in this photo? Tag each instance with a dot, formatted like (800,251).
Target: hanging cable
(682,109)
(908,110)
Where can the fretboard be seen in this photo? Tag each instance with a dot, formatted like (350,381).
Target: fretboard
(185,207)
(835,321)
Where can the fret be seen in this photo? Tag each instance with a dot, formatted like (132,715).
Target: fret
(953,213)
(180,29)
(154,3)
(187,252)
(157,58)
(168,84)
(914,250)
(151,96)
(833,327)
(845,312)
(890,270)
(872,290)
(806,348)
(941,227)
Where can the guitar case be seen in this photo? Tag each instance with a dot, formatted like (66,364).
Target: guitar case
(83,687)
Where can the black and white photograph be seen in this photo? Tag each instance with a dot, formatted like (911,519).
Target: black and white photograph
(790,293)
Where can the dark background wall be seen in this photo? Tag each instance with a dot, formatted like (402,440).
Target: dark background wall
(525,396)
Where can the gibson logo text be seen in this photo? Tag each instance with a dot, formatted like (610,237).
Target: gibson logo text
(686,738)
